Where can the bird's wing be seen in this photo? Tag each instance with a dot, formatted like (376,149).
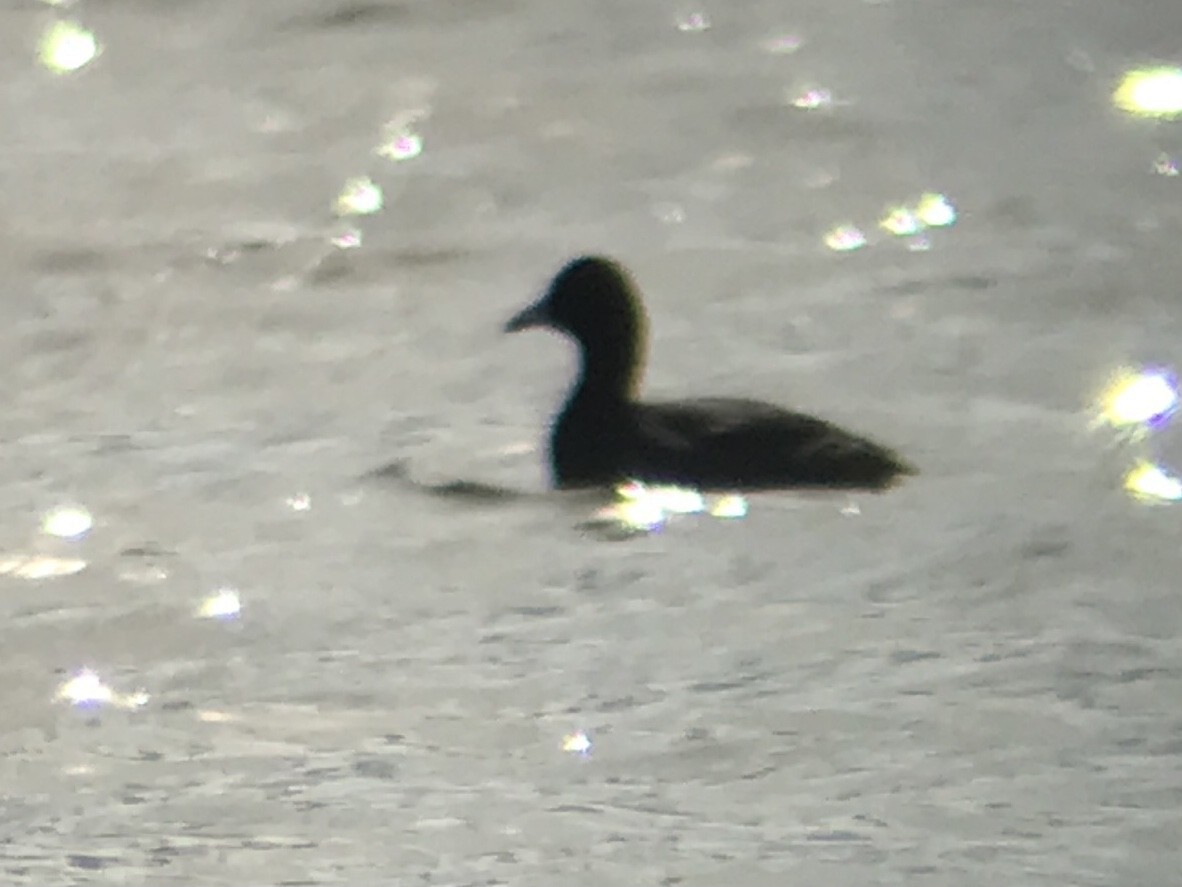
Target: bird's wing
(760,444)
(691,423)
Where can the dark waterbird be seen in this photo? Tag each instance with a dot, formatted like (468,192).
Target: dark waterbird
(604,435)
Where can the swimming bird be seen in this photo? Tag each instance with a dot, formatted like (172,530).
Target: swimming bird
(604,435)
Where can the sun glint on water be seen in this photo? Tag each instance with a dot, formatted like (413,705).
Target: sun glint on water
(1151,92)
(1152,483)
(1140,399)
(67,522)
(361,196)
(66,46)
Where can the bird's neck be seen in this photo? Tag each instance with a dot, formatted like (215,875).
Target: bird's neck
(609,373)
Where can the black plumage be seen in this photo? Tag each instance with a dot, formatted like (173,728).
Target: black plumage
(604,434)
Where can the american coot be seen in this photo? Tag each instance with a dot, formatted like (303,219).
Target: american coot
(604,435)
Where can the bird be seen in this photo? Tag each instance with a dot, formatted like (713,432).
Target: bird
(604,435)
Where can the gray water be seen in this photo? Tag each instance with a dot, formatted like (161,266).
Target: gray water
(972,680)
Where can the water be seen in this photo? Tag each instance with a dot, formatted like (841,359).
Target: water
(972,680)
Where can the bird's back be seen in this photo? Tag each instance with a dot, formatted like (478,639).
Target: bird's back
(718,443)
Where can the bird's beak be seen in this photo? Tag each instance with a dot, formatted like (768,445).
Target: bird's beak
(534,316)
